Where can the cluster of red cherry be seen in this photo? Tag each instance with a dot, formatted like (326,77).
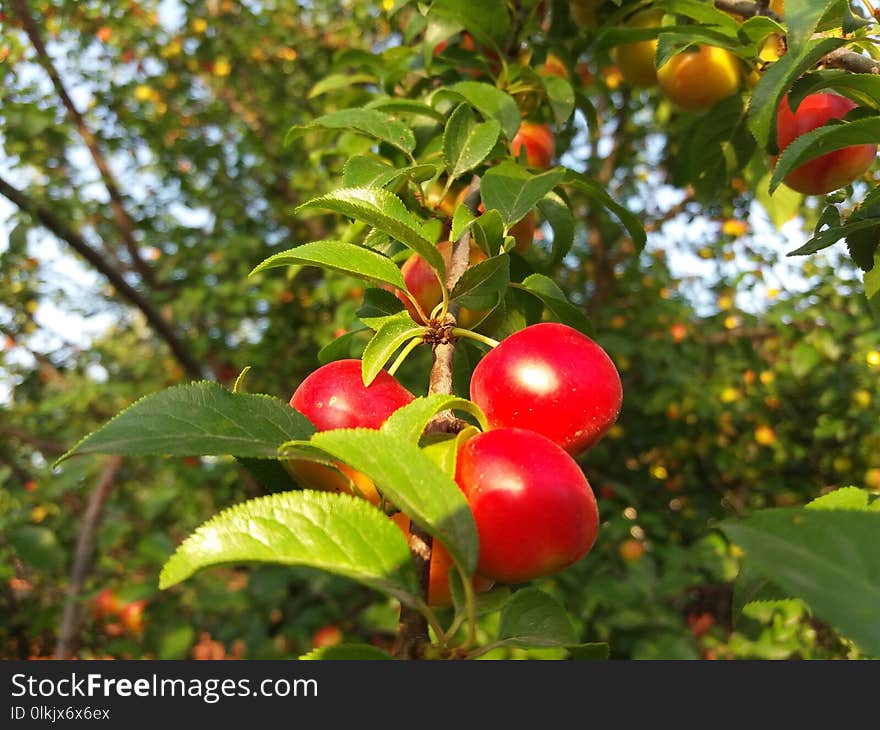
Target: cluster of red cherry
(549,393)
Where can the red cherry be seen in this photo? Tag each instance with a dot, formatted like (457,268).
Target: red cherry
(534,509)
(829,171)
(539,142)
(334,396)
(551,379)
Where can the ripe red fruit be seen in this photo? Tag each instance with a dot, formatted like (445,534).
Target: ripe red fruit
(829,171)
(423,284)
(534,509)
(539,142)
(551,379)
(334,396)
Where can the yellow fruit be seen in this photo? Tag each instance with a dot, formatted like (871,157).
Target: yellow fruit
(199,25)
(765,436)
(872,478)
(142,92)
(766,377)
(697,80)
(862,398)
(631,550)
(873,358)
(222,67)
(636,60)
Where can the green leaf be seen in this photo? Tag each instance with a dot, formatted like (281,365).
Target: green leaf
(408,423)
(38,547)
(198,419)
(752,586)
(555,211)
(823,140)
(379,304)
(417,486)
(334,82)
(461,221)
(466,143)
(872,286)
(443,449)
(486,20)
(596,193)
(533,618)
(489,232)
(553,298)
(365,171)
(491,102)
(369,122)
(801,19)
(561,97)
(382,210)
(342,347)
(406,106)
(775,82)
(390,336)
(842,498)
(336,533)
(513,191)
(480,284)
(828,558)
(175,642)
(347,258)
(346,652)
(832,235)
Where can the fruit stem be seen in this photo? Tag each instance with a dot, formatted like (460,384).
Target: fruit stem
(470,612)
(417,306)
(471,335)
(410,346)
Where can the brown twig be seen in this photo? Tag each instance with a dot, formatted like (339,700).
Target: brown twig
(63,231)
(82,561)
(120,216)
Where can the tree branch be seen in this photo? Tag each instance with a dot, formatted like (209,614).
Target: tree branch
(82,561)
(121,217)
(413,629)
(841,58)
(58,227)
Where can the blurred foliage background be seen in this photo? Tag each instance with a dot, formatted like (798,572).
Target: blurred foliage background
(144,173)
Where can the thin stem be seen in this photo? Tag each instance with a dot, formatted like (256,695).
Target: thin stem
(417,306)
(471,335)
(410,346)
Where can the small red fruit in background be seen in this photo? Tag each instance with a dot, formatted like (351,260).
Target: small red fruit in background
(328,635)
(539,143)
(534,509)
(829,171)
(631,550)
(106,604)
(334,396)
(132,617)
(104,34)
(551,379)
